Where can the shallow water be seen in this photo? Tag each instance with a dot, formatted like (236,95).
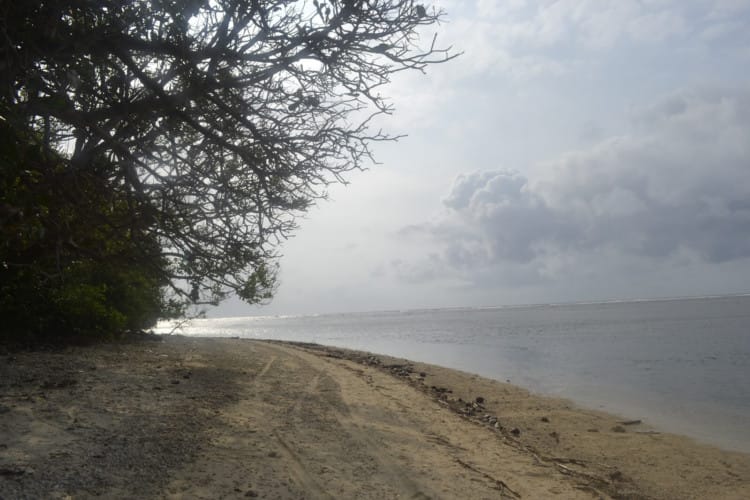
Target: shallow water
(680,365)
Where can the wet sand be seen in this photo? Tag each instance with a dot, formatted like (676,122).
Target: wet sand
(228,418)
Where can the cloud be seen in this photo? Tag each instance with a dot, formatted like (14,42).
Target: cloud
(507,217)
(516,47)
(677,185)
(590,24)
(521,40)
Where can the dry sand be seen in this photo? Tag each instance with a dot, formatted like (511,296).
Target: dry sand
(230,418)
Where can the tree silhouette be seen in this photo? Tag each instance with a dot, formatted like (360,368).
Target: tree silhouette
(219,120)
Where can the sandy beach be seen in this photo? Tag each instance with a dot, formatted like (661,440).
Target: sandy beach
(183,417)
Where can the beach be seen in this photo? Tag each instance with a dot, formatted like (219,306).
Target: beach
(185,417)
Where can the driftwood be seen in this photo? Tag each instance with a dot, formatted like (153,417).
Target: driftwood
(630,422)
(501,485)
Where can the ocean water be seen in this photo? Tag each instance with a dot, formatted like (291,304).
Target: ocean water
(682,365)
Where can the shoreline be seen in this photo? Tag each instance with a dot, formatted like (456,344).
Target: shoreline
(192,417)
(705,427)
(649,360)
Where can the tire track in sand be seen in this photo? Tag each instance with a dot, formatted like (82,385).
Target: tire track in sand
(396,434)
(386,464)
(298,469)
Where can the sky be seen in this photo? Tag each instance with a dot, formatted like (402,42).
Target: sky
(578,150)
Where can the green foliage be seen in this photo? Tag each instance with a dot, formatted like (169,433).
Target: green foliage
(153,145)
(208,125)
(74,263)
(258,286)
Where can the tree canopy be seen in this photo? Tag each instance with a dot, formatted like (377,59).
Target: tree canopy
(212,122)
(73,265)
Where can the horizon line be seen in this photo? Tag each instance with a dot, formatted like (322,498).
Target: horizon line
(488,308)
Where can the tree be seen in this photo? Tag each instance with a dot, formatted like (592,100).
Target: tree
(73,267)
(216,122)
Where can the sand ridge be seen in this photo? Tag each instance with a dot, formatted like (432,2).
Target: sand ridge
(228,418)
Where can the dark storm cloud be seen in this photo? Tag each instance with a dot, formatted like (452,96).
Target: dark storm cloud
(680,181)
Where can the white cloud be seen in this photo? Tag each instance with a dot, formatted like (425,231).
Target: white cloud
(661,204)
(720,30)
(657,26)
(723,9)
(511,36)
(678,185)
(596,24)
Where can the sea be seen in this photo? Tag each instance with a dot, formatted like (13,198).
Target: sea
(680,365)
